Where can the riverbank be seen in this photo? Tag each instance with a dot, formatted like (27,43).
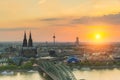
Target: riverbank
(87,68)
(90,67)
(104,67)
(95,65)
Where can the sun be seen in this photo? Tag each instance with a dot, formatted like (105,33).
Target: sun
(98,36)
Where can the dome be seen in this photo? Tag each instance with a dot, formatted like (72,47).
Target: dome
(72,59)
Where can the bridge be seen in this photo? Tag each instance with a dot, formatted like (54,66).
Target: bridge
(56,71)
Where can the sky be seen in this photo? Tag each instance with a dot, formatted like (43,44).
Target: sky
(68,19)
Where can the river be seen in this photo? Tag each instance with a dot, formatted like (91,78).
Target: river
(22,76)
(105,74)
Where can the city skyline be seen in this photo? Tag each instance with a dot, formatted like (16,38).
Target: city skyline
(90,20)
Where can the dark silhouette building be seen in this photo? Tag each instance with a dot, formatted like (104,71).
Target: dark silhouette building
(54,39)
(24,40)
(77,41)
(30,42)
(28,50)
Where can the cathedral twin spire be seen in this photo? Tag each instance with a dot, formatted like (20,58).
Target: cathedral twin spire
(30,42)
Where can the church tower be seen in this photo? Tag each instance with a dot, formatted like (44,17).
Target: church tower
(28,50)
(24,40)
(30,42)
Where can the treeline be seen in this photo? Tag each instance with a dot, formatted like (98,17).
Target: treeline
(26,66)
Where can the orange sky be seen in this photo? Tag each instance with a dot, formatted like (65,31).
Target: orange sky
(66,18)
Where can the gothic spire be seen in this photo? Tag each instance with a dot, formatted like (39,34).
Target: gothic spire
(30,42)
(24,40)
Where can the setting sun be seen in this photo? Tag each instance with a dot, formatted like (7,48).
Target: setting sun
(97,36)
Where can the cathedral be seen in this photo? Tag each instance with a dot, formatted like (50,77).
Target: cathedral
(28,50)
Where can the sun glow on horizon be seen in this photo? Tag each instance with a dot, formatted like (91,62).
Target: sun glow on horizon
(98,36)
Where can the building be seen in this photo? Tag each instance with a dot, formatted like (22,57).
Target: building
(77,41)
(73,59)
(28,50)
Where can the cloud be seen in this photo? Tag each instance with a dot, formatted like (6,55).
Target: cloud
(82,20)
(54,22)
(113,19)
(41,1)
(50,19)
(16,29)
